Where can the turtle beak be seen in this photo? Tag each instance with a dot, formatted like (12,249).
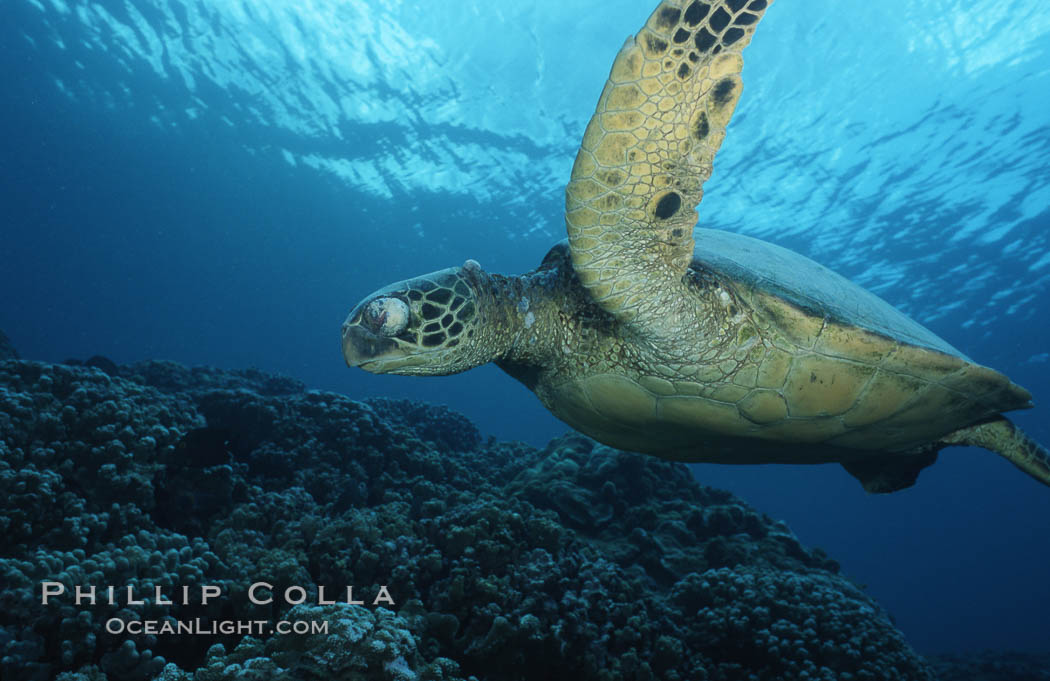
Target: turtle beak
(374,353)
(361,346)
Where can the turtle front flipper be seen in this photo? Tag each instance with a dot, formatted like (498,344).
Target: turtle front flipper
(630,206)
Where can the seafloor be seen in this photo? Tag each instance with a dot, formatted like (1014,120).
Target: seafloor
(504,561)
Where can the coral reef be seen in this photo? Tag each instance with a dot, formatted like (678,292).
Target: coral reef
(503,561)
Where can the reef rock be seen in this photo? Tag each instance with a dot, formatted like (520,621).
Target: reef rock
(502,561)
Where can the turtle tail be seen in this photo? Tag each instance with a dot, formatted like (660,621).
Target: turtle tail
(1003,437)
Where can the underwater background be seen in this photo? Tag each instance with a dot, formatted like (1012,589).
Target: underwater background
(217,183)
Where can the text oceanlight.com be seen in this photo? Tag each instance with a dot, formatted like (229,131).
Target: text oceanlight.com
(115,625)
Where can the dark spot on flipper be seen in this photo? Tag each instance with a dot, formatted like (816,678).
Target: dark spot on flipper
(433,340)
(757,5)
(455,329)
(655,45)
(681,35)
(694,57)
(723,91)
(430,311)
(668,17)
(456,303)
(704,40)
(446,320)
(695,13)
(442,296)
(719,20)
(415,295)
(745,19)
(701,127)
(668,205)
(736,5)
(716,50)
(432,327)
(676,233)
(732,35)
(684,70)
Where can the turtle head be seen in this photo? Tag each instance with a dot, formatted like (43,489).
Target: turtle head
(425,326)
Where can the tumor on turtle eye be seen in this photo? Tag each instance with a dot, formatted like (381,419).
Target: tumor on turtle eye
(387,316)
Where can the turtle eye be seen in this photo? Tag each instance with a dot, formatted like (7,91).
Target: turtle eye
(387,316)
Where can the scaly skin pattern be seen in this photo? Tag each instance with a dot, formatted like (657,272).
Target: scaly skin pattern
(999,435)
(630,203)
(765,382)
(561,337)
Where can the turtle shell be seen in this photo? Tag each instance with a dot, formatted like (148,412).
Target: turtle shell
(809,286)
(827,371)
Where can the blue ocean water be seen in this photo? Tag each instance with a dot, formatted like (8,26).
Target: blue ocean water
(217,183)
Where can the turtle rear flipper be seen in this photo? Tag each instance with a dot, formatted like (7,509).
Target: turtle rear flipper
(892,472)
(887,473)
(1003,437)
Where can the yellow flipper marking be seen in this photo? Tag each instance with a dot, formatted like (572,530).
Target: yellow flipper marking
(630,206)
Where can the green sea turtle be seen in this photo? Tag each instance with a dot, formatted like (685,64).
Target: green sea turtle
(694,344)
